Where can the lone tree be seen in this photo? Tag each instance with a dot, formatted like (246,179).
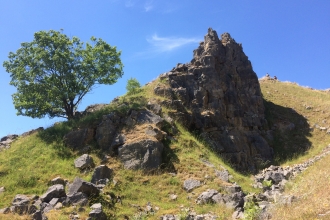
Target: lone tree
(53,73)
(132,86)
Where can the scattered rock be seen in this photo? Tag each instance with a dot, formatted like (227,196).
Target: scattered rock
(97,212)
(6,141)
(84,162)
(142,154)
(78,198)
(80,185)
(55,191)
(100,173)
(58,180)
(191,184)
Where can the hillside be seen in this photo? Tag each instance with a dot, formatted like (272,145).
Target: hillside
(204,144)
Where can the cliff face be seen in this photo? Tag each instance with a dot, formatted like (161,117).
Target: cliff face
(218,94)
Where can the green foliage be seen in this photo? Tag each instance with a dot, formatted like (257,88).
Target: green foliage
(133,86)
(251,210)
(53,73)
(267,183)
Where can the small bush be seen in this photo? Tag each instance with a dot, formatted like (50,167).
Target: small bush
(133,86)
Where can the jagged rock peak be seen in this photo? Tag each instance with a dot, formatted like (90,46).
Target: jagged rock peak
(223,95)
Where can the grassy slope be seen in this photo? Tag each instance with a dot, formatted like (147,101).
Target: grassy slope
(31,162)
(312,187)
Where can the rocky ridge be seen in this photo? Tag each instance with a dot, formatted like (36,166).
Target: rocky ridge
(222,93)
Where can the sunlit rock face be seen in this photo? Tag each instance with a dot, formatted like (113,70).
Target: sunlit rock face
(218,94)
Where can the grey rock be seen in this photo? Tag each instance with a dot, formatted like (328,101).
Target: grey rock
(20,204)
(93,108)
(78,198)
(7,140)
(58,180)
(80,185)
(37,215)
(32,209)
(144,117)
(142,154)
(232,188)
(97,214)
(206,197)
(55,191)
(107,130)
(96,206)
(53,202)
(101,172)
(223,175)
(83,162)
(156,133)
(191,184)
(231,120)
(58,205)
(79,138)
(33,131)
(170,217)
(155,108)
(5,210)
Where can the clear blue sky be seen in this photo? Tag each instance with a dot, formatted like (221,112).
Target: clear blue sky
(289,39)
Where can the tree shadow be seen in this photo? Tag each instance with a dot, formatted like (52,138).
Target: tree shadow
(288,134)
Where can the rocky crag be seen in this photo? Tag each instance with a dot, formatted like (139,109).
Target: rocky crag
(223,97)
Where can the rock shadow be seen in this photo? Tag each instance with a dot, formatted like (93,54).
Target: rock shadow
(288,132)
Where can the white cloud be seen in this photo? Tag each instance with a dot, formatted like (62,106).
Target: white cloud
(148,6)
(165,44)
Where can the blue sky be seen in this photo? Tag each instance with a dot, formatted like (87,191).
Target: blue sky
(289,39)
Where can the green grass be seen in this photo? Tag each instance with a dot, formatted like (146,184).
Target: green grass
(32,161)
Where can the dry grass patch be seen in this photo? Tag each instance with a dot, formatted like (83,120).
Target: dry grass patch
(313,189)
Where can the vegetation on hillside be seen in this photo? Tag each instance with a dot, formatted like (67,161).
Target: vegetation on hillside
(32,161)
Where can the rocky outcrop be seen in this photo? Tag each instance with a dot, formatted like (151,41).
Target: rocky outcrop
(6,140)
(85,161)
(79,138)
(142,154)
(222,93)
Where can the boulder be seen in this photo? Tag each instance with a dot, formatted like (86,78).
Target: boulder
(20,204)
(223,175)
(191,184)
(100,173)
(78,198)
(207,197)
(107,129)
(97,212)
(156,133)
(93,108)
(144,117)
(83,162)
(55,191)
(58,180)
(141,154)
(79,138)
(6,141)
(155,108)
(80,185)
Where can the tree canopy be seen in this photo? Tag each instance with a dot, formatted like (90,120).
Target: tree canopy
(54,72)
